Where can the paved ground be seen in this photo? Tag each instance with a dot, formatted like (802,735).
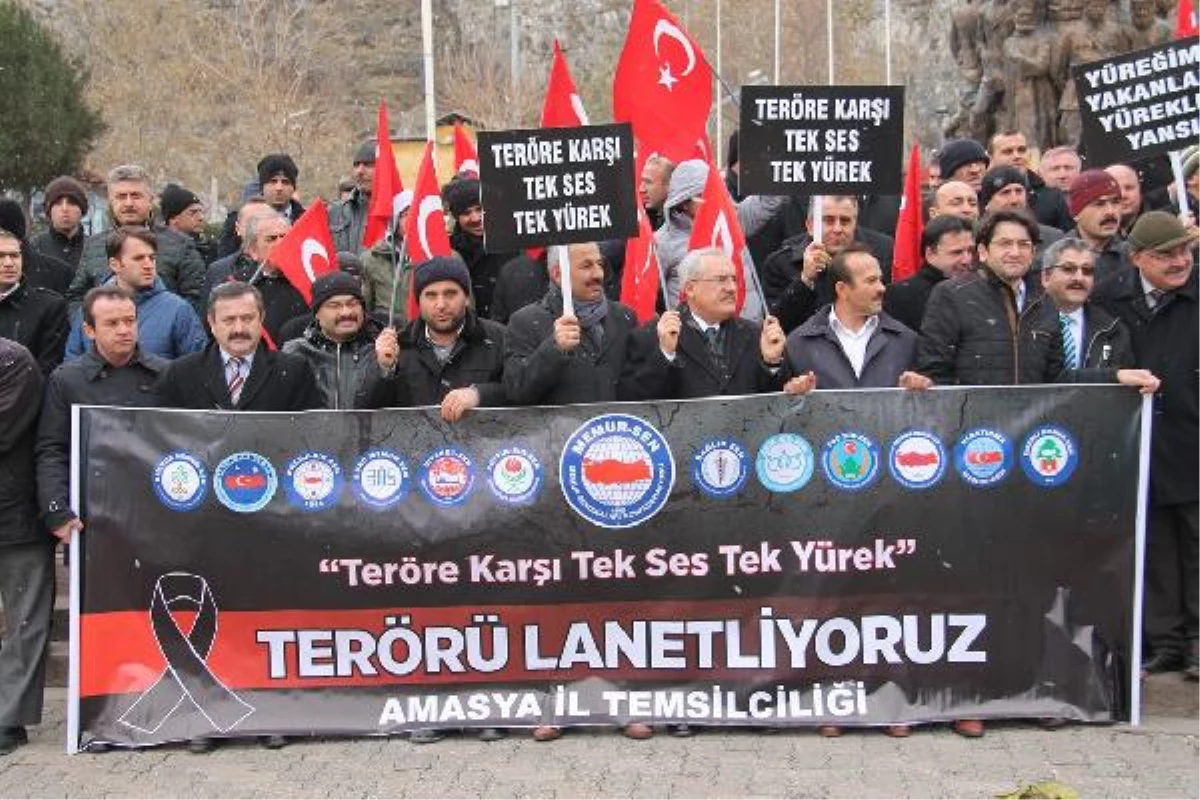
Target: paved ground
(1157,760)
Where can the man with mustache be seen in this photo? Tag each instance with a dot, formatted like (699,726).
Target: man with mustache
(1095,202)
(339,343)
(703,348)
(1157,301)
(450,357)
(1092,337)
(167,325)
(130,203)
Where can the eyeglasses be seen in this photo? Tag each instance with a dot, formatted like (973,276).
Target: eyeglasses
(1075,269)
(719,280)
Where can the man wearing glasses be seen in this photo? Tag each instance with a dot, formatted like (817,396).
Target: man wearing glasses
(1092,337)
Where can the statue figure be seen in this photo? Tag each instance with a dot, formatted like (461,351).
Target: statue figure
(1166,11)
(964,46)
(1060,11)
(1032,99)
(995,26)
(1095,37)
(1148,30)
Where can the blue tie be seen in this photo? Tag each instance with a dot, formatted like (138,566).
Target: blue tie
(1070,353)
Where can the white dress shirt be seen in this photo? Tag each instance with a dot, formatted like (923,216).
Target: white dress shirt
(854,343)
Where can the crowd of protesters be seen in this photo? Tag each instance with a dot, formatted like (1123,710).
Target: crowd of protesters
(1031,274)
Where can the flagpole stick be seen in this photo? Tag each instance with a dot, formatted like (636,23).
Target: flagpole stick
(396,260)
(427,59)
(887,38)
(758,289)
(829,36)
(777,16)
(818,218)
(720,126)
(1180,186)
(564,271)
(662,282)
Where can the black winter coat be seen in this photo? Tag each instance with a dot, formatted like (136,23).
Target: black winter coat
(282,301)
(905,300)
(1165,342)
(693,373)
(346,372)
(1049,205)
(536,372)
(277,382)
(54,244)
(20,401)
(484,267)
(88,380)
(1107,343)
(522,281)
(46,271)
(37,318)
(420,379)
(814,347)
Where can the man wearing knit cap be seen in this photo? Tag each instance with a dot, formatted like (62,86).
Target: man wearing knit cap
(449,357)
(39,269)
(348,218)
(963,160)
(182,211)
(1007,187)
(1159,303)
(65,204)
(277,175)
(1095,202)
(131,203)
(339,343)
(462,198)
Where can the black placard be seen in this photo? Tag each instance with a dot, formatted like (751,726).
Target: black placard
(557,185)
(821,139)
(1140,104)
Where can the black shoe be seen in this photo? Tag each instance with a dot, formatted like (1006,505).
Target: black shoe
(426,736)
(275,742)
(682,731)
(1161,662)
(201,745)
(1192,670)
(492,734)
(98,747)
(11,739)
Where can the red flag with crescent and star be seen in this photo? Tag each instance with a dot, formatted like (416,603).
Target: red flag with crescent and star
(425,228)
(641,276)
(562,107)
(386,184)
(307,252)
(716,225)
(906,251)
(663,84)
(466,157)
(1185,20)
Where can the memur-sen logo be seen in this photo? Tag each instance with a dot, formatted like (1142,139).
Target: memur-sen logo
(616,471)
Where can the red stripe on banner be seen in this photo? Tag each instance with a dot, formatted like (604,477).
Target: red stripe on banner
(119,654)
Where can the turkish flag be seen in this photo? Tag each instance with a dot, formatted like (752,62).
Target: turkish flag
(906,252)
(663,84)
(716,225)
(641,277)
(386,185)
(466,157)
(307,252)
(1185,22)
(425,227)
(562,107)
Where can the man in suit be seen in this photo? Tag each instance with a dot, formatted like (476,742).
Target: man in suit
(238,372)
(704,348)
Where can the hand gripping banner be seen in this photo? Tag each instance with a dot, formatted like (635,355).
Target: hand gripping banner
(187,676)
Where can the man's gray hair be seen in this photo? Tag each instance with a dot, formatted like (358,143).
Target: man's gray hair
(552,251)
(691,265)
(1052,253)
(128,173)
(250,235)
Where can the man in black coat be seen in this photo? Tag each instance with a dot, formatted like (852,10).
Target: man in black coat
(65,202)
(30,315)
(1092,337)
(238,372)
(463,200)
(1049,205)
(26,552)
(450,357)
(523,280)
(41,270)
(552,358)
(793,277)
(1157,301)
(948,247)
(704,348)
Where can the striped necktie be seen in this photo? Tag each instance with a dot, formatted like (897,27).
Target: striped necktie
(1070,352)
(236,378)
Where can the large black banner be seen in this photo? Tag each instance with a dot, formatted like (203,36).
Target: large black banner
(852,558)
(1140,104)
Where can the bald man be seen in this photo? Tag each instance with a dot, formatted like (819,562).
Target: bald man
(955,199)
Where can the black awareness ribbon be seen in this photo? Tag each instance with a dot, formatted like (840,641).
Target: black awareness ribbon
(187,676)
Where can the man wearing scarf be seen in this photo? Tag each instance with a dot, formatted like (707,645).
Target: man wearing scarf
(552,358)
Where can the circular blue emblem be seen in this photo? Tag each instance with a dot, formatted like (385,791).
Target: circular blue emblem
(381,479)
(180,481)
(1049,456)
(917,459)
(785,462)
(983,457)
(720,467)
(245,482)
(850,461)
(447,476)
(515,475)
(616,471)
(313,481)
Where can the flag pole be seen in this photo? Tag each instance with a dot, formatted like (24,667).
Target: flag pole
(887,39)
(397,260)
(817,208)
(777,15)
(564,271)
(427,56)
(1180,186)
(720,125)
